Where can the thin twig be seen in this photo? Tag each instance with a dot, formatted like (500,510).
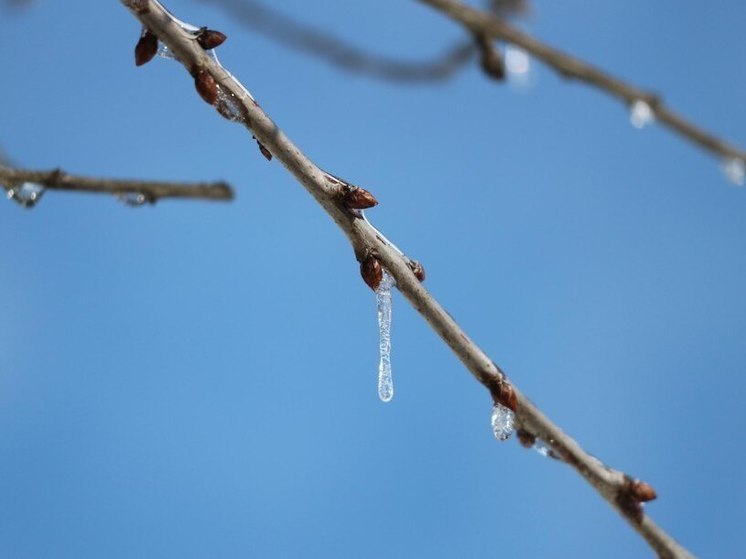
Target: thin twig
(300,36)
(478,21)
(219,88)
(150,190)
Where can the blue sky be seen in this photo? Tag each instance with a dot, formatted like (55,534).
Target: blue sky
(198,379)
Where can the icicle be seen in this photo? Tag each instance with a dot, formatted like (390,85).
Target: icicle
(26,194)
(519,68)
(383,301)
(132,199)
(641,114)
(502,422)
(735,170)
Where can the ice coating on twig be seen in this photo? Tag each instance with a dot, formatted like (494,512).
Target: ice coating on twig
(735,171)
(641,114)
(502,422)
(383,302)
(132,199)
(26,194)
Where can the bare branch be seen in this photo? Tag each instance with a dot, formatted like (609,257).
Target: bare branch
(287,31)
(150,190)
(219,88)
(573,68)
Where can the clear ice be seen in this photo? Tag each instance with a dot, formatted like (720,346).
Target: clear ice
(543,448)
(383,301)
(518,66)
(132,199)
(502,422)
(641,114)
(735,171)
(26,194)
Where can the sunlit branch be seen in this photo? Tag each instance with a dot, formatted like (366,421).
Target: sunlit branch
(478,21)
(322,44)
(228,96)
(151,191)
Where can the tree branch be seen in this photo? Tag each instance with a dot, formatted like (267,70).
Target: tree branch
(478,21)
(219,88)
(283,29)
(151,191)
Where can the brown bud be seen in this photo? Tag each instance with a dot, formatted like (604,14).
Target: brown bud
(206,86)
(357,198)
(642,492)
(372,271)
(209,38)
(491,59)
(505,395)
(265,152)
(146,48)
(526,439)
(417,270)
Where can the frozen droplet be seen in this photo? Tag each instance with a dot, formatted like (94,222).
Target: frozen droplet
(502,422)
(735,170)
(165,52)
(26,194)
(133,199)
(543,448)
(641,114)
(229,106)
(383,302)
(518,66)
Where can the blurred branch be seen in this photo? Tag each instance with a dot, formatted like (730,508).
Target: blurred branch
(320,43)
(231,99)
(482,22)
(150,190)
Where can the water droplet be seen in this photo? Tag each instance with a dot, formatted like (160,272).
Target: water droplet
(502,422)
(383,302)
(26,194)
(641,114)
(518,66)
(133,199)
(735,170)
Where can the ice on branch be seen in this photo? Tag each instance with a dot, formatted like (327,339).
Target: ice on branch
(503,420)
(518,66)
(641,114)
(133,199)
(26,194)
(735,171)
(383,301)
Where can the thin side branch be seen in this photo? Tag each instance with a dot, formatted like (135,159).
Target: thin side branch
(300,36)
(481,22)
(220,89)
(58,179)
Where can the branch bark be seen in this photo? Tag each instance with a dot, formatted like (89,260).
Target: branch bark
(151,191)
(477,21)
(219,88)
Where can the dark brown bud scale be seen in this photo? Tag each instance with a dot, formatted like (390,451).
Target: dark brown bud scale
(357,198)
(206,86)
(417,270)
(146,48)
(209,38)
(372,271)
(506,396)
(642,492)
(526,439)
(265,152)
